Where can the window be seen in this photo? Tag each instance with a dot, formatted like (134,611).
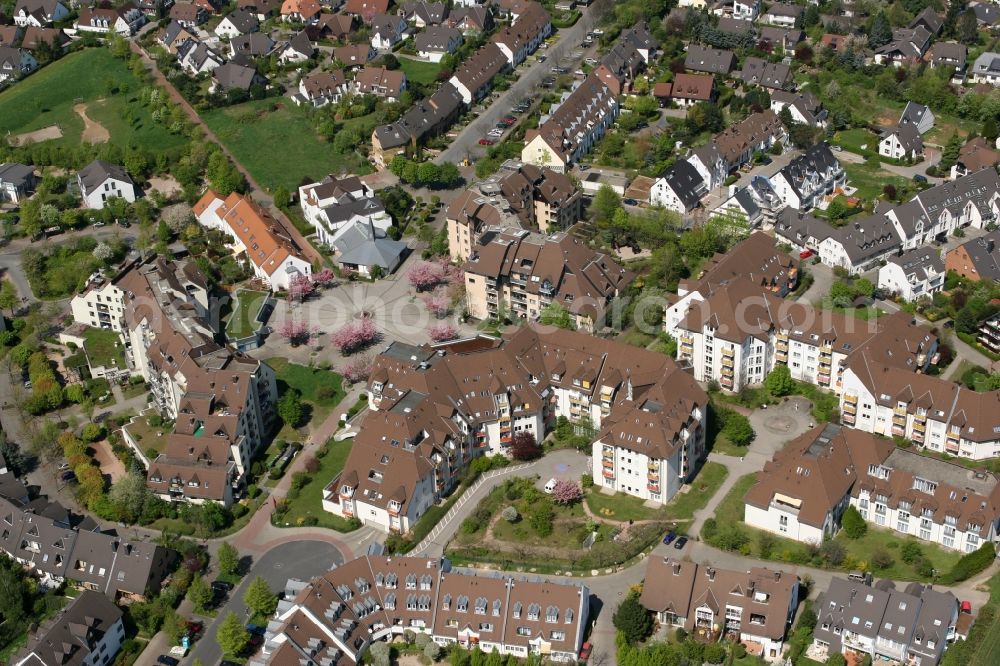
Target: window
(485,626)
(523,631)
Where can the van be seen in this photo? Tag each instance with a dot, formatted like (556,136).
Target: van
(860,577)
(550,486)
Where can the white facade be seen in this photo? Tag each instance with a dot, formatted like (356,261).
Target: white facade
(784,521)
(890,146)
(332,214)
(100,306)
(910,287)
(24,18)
(110,188)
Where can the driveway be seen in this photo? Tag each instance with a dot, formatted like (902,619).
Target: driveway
(527,84)
(295,559)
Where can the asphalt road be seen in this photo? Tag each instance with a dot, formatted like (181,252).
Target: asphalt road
(295,559)
(529,83)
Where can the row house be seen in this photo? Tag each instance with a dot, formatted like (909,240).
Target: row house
(736,145)
(631,53)
(572,127)
(856,247)
(517,273)
(123,21)
(334,204)
(88,631)
(268,248)
(977,259)
(523,37)
(913,626)
(41,538)
(931,412)
(808,178)
(428,117)
(914,274)
(434,409)
(474,76)
(753,607)
(336,617)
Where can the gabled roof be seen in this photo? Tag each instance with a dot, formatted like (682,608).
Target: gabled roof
(94,174)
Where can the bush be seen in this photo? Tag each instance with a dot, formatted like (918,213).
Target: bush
(587,481)
(854,525)
(714,653)
(970,564)
(911,552)
(882,559)
(633,620)
(510,514)
(680,634)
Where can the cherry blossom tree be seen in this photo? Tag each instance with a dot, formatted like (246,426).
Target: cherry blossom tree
(566,492)
(438,302)
(355,336)
(426,275)
(324,278)
(300,288)
(358,369)
(443,331)
(297,332)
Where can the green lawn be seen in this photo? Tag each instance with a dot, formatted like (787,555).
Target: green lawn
(104,347)
(860,550)
(419,71)
(854,139)
(92,77)
(623,507)
(276,141)
(322,389)
(308,505)
(870,181)
(242,322)
(150,439)
(730,510)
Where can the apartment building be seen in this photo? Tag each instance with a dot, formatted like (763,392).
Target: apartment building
(736,145)
(679,189)
(522,38)
(517,274)
(976,259)
(88,632)
(40,536)
(223,403)
(428,117)
(517,196)
(434,409)
(914,274)
(334,204)
(931,412)
(270,250)
(858,246)
(336,617)
(989,334)
(572,126)
(753,607)
(808,178)
(912,626)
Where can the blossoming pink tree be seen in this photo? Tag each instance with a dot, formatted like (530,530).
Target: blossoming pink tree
(297,332)
(443,331)
(438,302)
(426,275)
(300,288)
(355,336)
(324,278)
(358,369)
(566,492)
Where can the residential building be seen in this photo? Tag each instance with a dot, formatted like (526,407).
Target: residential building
(251,45)
(986,69)
(354,56)
(987,14)
(436,41)
(915,274)
(272,253)
(782,14)
(15,63)
(88,631)
(474,76)
(39,13)
(338,616)
(908,45)
(530,27)
(300,11)
(783,39)
(679,189)
(735,26)
(572,126)
(40,537)
(858,246)
(335,203)
(100,181)
(804,181)
(754,607)
(949,54)
(297,49)
(381,82)
(196,57)
(917,115)
(233,77)
(424,14)
(772,75)
(17,182)
(742,205)
(929,20)
(804,107)
(989,334)
(912,626)
(34,37)
(368,250)
(332,26)
(976,259)
(366,10)
(689,89)
(711,61)
(428,117)
(387,31)
(123,21)
(471,20)
(901,143)
(975,155)
(736,145)
(237,22)
(10,35)
(522,273)
(188,14)
(174,36)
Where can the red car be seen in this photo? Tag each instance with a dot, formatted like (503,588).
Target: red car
(805,254)
(508,121)
(485,142)
(966,607)
(585,651)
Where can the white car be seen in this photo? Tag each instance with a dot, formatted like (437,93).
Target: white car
(550,485)
(495,132)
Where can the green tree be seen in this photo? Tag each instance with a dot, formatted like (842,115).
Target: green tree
(779,381)
(836,659)
(554,314)
(163,232)
(968,29)
(228,558)
(281,196)
(128,496)
(880,32)
(260,599)
(232,636)
(854,525)
(290,408)
(633,620)
(8,297)
(199,593)
(605,203)
(737,429)
(990,130)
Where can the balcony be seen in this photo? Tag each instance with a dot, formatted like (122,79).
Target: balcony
(848,418)
(653,477)
(727,362)
(729,353)
(609,473)
(899,411)
(852,399)
(919,426)
(781,356)
(653,487)
(898,430)
(850,409)
(726,381)
(686,348)
(824,378)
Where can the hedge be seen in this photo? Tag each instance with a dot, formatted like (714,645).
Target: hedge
(971,564)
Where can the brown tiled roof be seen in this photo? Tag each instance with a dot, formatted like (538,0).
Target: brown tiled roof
(323,83)
(693,86)
(737,139)
(978,154)
(371,78)
(756,259)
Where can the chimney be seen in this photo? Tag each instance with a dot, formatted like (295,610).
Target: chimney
(777,576)
(711,573)
(753,587)
(677,568)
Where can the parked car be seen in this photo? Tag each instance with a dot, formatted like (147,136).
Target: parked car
(195,628)
(27,383)
(167,660)
(917,178)
(542,58)
(585,651)
(550,485)
(225,586)
(63,466)
(630,202)
(671,535)
(99,223)
(486,142)
(256,629)
(124,223)
(966,607)
(681,542)
(805,254)
(949,324)
(68,475)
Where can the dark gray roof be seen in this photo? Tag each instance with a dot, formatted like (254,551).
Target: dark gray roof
(861,239)
(984,252)
(253,44)
(70,638)
(817,162)
(16,174)
(920,262)
(423,117)
(98,171)
(350,207)
(951,53)
(783,9)
(686,183)
(768,74)
(908,135)
(734,26)
(243,20)
(640,37)
(987,63)
(976,188)
(929,19)
(746,199)
(170,34)
(987,12)
(775,35)
(913,113)
(234,77)
(300,43)
(430,12)
(703,59)
(362,244)
(436,38)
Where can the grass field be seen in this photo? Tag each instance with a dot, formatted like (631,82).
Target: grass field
(276,142)
(92,77)
(854,139)
(104,348)
(871,181)
(681,507)
(308,504)
(321,389)
(419,71)
(249,303)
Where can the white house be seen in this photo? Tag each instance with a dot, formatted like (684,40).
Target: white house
(901,142)
(297,49)
(236,23)
(89,631)
(15,63)
(914,274)
(679,189)
(387,31)
(39,13)
(335,203)
(804,181)
(434,42)
(986,69)
(196,57)
(124,21)
(100,181)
